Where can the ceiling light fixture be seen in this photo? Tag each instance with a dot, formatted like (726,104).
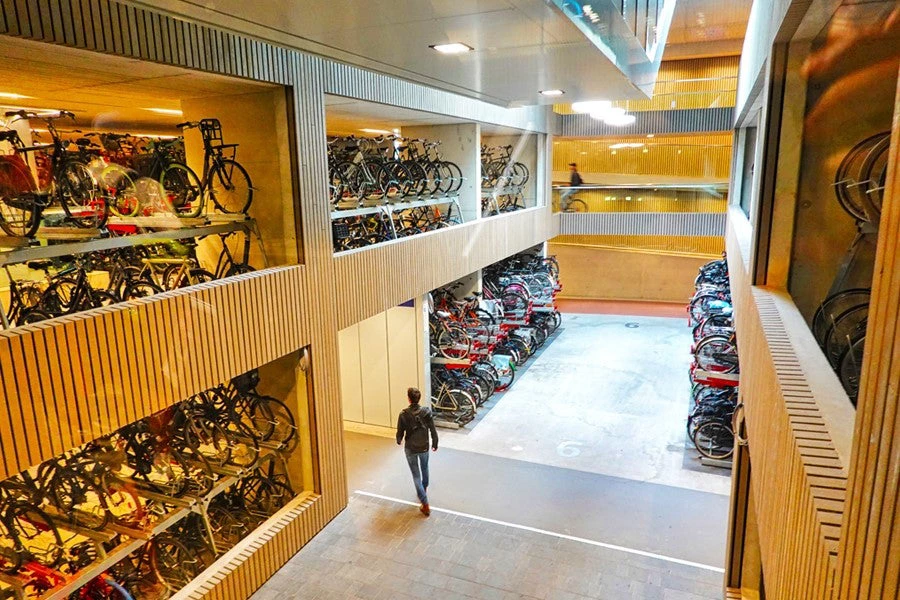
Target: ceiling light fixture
(378,131)
(626,145)
(612,112)
(591,106)
(166,111)
(12,96)
(452,48)
(552,92)
(650,135)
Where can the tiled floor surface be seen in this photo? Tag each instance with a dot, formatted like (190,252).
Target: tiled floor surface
(383,550)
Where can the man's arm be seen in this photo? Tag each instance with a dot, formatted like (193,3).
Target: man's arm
(399,428)
(434,438)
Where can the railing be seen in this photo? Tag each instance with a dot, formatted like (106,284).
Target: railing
(662,217)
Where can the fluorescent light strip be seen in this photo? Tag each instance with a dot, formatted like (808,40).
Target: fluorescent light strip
(552,92)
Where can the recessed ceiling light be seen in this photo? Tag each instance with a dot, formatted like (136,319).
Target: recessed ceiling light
(166,111)
(452,48)
(379,131)
(650,135)
(552,92)
(12,96)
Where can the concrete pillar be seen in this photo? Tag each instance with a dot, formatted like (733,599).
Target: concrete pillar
(461,144)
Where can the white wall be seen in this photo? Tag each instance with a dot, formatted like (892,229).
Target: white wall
(460,144)
(379,359)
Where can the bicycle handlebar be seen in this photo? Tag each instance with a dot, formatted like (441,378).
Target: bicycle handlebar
(188,125)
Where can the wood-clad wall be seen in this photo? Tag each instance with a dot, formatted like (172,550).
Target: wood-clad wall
(870,547)
(72,379)
(798,474)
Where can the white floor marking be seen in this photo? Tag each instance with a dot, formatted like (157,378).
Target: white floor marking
(563,536)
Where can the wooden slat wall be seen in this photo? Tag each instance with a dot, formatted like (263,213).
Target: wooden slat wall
(870,547)
(423,263)
(798,478)
(71,379)
(643,223)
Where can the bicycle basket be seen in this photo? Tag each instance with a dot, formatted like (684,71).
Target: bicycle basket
(211,129)
(340,231)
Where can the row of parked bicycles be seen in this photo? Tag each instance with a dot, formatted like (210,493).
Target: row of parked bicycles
(839,325)
(91,175)
(170,493)
(715,365)
(478,341)
(360,231)
(72,284)
(388,168)
(500,170)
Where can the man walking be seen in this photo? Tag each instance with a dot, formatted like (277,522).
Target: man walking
(414,423)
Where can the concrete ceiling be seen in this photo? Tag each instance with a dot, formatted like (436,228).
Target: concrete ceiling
(521,46)
(702,28)
(348,116)
(106,93)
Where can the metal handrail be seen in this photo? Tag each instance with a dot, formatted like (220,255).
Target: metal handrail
(717,186)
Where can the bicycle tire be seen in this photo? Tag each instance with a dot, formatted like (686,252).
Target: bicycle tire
(80,197)
(35,526)
(173,562)
(714,439)
(119,182)
(184,193)
(453,174)
(520,174)
(847,326)
(708,357)
(454,342)
(140,289)
(576,205)
(284,428)
(850,367)
(19,210)
(10,555)
(506,378)
(230,187)
(834,305)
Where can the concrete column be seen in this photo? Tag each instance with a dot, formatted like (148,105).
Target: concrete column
(461,144)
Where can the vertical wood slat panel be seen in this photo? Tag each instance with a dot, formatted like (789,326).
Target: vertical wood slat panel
(798,486)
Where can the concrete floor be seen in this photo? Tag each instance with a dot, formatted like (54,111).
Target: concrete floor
(575,484)
(610,396)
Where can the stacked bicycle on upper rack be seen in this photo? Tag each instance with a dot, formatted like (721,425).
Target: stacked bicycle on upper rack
(839,324)
(72,284)
(715,369)
(502,180)
(387,187)
(91,176)
(141,512)
(477,342)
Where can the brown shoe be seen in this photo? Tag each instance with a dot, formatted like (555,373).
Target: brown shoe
(425,510)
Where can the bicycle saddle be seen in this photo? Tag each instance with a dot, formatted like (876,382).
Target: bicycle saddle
(39,265)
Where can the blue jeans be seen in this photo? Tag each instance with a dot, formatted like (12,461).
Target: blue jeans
(418,464)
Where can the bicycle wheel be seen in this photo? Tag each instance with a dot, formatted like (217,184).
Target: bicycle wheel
(714,439)
(36,533)
(19,215)
(284,428)
(717,353)
(173,562)
(507,376)
(847,326)
(140,289)
(77,497)
(850,367)
(184,194)
(226,526)
(453,342)
(10,557)
(122,191)
(80,196)
(451,177)
(576,205)
(520,174)
(833,306)
(229,187)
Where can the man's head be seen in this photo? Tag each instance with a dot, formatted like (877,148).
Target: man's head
(573,167)
(414,395)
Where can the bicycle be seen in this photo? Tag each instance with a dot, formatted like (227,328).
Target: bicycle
(569,204)
(225,180)
(71,184)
